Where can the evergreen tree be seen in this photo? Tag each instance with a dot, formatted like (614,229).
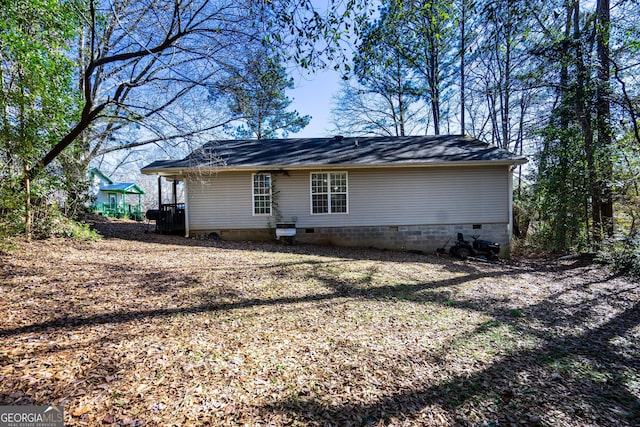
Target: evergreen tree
(384,92)
(429,49)
(257,97)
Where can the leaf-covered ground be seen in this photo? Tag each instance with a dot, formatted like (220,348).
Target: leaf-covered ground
(143,329)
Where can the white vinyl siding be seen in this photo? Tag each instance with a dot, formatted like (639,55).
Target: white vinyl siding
(261,198)
(329,193)
(221,200)
(377,197)
(431,196)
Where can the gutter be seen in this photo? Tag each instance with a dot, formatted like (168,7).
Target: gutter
(214,169)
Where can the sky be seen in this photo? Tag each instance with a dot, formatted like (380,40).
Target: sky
(313,95)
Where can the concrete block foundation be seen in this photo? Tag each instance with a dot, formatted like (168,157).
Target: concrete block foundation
(425,238)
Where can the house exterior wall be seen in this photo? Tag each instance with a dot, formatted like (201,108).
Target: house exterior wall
(103,197)
(396,208)
(95,183)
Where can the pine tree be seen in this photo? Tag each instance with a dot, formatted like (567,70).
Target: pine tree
(257,97)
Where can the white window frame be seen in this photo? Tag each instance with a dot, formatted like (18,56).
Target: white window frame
(329,192)
(254,194)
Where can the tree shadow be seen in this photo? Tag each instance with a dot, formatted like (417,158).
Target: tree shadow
(124,316)
(570,333)
(582,399)
(598,392)
(142,233)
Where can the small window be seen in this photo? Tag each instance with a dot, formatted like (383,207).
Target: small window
(329,192)
(262,194)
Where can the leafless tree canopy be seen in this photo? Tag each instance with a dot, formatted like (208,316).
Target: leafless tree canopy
(147,65)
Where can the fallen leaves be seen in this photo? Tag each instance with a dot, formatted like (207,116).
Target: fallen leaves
(80,411)
(143,329)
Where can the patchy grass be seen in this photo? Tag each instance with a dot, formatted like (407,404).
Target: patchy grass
(142,329)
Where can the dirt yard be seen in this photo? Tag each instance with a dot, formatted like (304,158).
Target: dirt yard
(142,329)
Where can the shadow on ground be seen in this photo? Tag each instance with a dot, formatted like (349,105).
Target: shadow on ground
(586,367)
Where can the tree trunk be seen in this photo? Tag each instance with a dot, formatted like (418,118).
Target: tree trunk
(584,118)
(506,88)
(28,214)
(565,96)
(603,117)
(434,71)
(462,63)
(434,87)
(401,106)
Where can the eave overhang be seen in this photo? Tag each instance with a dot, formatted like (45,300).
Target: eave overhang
(181,172)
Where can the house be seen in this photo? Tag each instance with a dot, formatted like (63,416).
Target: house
(109,198)
(410,193)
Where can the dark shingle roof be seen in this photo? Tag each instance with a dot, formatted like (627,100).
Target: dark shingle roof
(352,151)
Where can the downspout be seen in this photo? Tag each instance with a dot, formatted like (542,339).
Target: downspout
(186,208)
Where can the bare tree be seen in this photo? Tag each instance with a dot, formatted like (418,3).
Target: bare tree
(361,110)
(142,62)
(384,94)
(139,59)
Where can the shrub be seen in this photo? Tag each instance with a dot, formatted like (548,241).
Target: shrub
(623,253)
(53,223)
(48,221)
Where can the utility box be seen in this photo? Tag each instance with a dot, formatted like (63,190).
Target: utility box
(287,232)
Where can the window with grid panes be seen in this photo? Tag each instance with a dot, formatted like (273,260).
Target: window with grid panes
(328,192)
(262,194)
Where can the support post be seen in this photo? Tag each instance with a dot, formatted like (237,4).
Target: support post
(175,192)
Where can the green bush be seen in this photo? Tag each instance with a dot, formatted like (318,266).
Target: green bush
(11,208)
(622,253)
(48,221)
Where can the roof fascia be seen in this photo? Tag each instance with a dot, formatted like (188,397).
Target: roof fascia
(126,190)
(209,169)
(99,172)
(135,187)
(138,189)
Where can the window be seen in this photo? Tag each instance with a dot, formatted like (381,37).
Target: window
(328,192)
(261,194)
